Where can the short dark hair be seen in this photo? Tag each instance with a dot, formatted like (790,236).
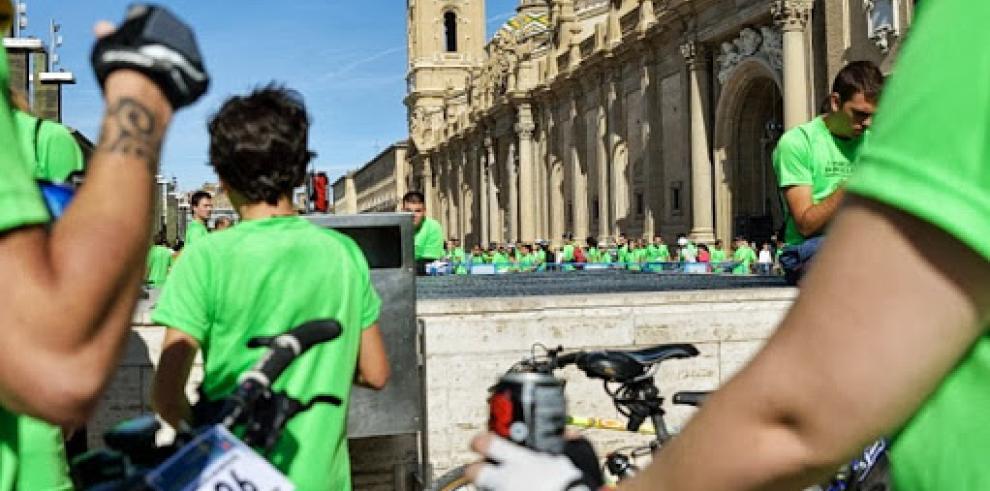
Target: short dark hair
(414,197)
(858,77)
(259,143)
(199,196)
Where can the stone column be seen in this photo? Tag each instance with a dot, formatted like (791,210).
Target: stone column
(601,162)
(494,224)
(580,178)
(512,167)
(618,176)
(463,207)
(401,176)
(646,71)
(555,179)
(541,159)
(429,192)
(701,166)
(350,194)
(483,204)
(527,174)
(792,16)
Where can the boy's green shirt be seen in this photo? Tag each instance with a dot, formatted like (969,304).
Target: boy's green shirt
(264,277)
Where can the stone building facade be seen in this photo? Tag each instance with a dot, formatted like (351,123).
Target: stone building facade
(643,117)
(376,187)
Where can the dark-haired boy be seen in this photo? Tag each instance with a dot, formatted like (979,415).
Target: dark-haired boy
(814,160)
(271,272)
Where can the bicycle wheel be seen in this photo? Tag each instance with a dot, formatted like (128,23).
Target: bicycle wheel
(453,480)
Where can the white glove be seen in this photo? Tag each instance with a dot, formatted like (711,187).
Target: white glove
(520,468)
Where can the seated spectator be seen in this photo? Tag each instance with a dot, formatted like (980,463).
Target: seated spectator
(689,252)
(717,256)
(743,258)
(765,260)
(704,256)
(812,161)
(428,240)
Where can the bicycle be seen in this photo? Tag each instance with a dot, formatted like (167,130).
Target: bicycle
(635,396)
(210,456)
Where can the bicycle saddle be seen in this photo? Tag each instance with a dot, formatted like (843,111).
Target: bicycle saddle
(625,366)
(659,353)
(691,398)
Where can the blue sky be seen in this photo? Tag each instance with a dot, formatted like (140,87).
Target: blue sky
(347,58)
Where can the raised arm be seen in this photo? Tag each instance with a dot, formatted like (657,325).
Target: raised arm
(813,396)
(66,317)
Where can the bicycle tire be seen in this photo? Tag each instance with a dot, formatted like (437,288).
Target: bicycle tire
(453,480)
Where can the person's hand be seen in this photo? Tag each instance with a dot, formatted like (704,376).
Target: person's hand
(159,46)
(519,468)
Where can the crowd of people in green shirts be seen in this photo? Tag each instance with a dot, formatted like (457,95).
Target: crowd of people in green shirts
(641,254)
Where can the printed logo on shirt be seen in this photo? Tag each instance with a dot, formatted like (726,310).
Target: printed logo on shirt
(838,169)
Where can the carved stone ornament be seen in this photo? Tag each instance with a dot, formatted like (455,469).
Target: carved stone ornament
(881,23)
(791,15)
(765,44)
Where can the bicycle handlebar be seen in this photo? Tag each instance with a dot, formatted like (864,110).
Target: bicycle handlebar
(282,350)
(569,359)
(286,347)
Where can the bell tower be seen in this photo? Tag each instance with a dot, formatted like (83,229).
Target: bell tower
(446,40)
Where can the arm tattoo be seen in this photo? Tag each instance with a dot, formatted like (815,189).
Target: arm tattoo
(135,132)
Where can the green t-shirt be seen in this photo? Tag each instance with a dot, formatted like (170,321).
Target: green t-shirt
(262,278)
(20,205)
(48,148)
(42,464)
(429,240)
(745,256)
(663,253)
(526,262)
(159,260)
(718,256)
(195,230)
(567,253)
(636,258)
(929,157)
(809,155)
(593,255)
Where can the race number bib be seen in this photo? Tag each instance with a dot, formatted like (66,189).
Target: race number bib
(217,461)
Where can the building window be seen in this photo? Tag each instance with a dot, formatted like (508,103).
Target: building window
(676,198)
(450,31)
(640,206)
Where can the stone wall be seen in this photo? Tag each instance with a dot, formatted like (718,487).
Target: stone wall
(469,343)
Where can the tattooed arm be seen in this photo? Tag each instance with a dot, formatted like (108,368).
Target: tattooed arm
(66,308)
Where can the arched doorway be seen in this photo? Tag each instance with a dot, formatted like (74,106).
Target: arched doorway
(748,124)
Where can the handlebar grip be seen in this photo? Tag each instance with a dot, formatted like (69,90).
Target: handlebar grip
(569,359)
(315,332)
(287,347)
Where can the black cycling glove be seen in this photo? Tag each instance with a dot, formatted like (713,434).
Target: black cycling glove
(156,43)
